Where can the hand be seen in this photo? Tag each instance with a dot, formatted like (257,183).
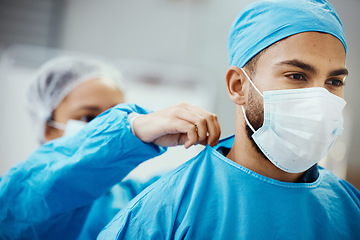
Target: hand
(182,124)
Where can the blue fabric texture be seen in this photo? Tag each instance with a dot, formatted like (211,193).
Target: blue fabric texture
(265,22)
(212,197)
(63,190)
(108,205)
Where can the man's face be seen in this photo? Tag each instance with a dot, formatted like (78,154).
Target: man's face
(304,60)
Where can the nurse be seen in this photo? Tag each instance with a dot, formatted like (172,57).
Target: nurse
(286,79)
(70,187)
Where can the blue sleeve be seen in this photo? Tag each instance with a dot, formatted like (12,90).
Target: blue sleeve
(50,194)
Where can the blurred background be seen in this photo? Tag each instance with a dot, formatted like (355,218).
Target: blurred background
(168,51)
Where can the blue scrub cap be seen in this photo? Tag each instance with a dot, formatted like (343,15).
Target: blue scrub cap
(265,22)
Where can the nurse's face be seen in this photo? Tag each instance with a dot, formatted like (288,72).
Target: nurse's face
(304,60)
(84,103)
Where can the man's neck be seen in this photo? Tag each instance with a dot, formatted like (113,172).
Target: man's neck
(244,153)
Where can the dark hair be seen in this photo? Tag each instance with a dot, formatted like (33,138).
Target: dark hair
(252,63)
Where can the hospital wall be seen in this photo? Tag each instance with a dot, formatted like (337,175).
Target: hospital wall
(348,12)
(193,34)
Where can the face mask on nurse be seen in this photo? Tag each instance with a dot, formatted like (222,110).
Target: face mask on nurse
(70,128)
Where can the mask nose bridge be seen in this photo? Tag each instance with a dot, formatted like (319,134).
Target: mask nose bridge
(252,83)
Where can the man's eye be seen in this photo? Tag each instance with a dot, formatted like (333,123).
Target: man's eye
(87,118)
(297,76)
(335,82)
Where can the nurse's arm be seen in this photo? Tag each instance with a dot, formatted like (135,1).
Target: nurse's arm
(49,195)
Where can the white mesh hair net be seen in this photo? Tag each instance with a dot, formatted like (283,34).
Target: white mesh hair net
(56,79)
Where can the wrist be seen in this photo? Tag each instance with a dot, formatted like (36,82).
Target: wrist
(131,118)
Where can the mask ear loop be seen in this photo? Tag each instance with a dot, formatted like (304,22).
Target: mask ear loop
(242,107)
(247,76)
(57,125)
(246,119)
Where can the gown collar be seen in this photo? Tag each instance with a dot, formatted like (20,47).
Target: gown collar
(224,146)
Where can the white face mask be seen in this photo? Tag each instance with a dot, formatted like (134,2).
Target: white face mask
(300,126)
(70,128)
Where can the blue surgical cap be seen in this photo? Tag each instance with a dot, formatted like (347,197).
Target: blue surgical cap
(265,22)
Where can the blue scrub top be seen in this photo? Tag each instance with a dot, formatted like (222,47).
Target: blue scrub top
(212,197)
(65,189)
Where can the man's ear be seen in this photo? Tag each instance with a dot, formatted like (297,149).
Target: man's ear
(235,80)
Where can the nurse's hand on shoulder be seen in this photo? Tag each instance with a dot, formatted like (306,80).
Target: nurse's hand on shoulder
(182,124)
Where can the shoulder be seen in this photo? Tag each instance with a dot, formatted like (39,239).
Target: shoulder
(340,186)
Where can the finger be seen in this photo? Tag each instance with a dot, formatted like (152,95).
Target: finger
(201,129)
(194,116)
(203,142)
(206,122)
(214,130)
(189,134)
(184,140)
(212,126)
(188,113)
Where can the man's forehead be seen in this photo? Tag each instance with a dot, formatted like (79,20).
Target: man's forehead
(307,47)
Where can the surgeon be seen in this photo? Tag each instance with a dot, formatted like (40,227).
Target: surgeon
(286,78)
(70,187)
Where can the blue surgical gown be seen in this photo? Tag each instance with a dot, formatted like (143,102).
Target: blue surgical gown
(65,189)
(212,197)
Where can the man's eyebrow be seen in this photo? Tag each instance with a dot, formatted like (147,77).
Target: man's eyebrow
(339,72)
(308,67)
(299,64)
